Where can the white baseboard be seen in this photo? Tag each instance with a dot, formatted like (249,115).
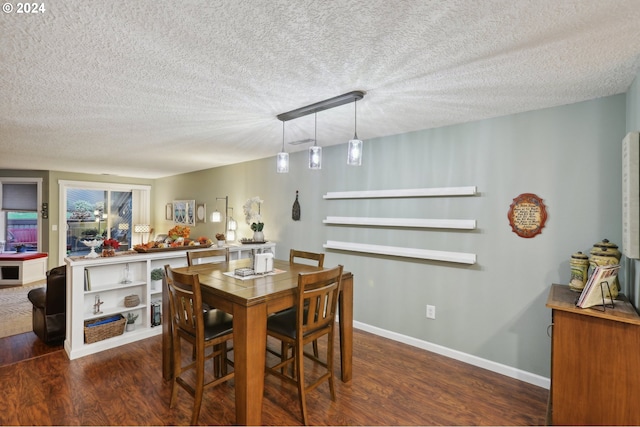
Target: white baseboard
(499,368)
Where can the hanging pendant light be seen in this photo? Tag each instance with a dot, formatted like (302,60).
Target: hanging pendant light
(282,159)
(315,151)
(354,153)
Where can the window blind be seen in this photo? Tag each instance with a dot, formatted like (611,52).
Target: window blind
(20,197)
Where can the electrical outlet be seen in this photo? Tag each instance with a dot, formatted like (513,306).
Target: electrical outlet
(431,311)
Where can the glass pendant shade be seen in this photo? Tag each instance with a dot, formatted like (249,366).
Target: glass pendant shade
(354,154)
(282,159)
(315,152)
(231,235)
(315,157)
(282,162)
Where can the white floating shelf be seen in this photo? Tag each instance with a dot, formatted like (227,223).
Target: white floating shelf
(463,224)
(412,192)
(459,257)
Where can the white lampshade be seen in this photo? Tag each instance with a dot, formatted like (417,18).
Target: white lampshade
(141,228)
(216,216)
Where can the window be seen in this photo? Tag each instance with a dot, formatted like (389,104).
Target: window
(19,220)
(99,211)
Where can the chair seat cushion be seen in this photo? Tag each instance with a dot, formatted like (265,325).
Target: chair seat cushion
(283,323)
(38,296)
(216,323)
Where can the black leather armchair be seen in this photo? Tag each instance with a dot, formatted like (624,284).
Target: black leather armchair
(50,307)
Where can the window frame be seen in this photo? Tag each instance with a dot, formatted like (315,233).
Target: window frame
(140,206)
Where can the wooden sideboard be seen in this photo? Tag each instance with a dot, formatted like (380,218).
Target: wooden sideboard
(595,362)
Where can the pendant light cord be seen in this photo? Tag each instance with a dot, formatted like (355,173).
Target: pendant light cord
(283,137)
(315,129)
(355,119)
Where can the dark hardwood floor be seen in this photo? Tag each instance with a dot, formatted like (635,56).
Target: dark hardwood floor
(393,384)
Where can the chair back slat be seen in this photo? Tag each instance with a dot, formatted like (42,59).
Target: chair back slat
(198,257)
(318,299)
(312,256)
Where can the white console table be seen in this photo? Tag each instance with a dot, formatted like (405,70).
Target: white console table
(104,278)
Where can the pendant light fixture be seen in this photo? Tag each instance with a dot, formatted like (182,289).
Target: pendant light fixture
(315,151)
(354,153)
(282,159)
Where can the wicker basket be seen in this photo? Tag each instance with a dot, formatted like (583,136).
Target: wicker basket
(131,300)
(102,332)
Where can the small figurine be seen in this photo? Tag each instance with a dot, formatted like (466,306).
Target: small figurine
(96,306)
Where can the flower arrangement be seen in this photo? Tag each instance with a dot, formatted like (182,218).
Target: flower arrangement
(179,231)
(110,243)
(253,217)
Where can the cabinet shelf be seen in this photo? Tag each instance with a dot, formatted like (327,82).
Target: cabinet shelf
(110,311)
(458,257)
(461,224)
(406,192)
(115,286)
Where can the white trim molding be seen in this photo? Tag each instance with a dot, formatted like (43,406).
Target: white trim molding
(459,257)
(499,368)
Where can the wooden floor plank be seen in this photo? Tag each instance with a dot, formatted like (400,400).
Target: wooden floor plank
(393,384)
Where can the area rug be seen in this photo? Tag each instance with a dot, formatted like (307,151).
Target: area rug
(15,310)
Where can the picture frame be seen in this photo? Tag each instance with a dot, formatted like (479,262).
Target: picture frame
(201,213)
(168,212)
(184,212)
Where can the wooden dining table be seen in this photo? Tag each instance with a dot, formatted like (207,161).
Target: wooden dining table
(250,301)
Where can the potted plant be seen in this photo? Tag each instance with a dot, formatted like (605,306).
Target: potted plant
(157,274)
(131,320)
(220,238)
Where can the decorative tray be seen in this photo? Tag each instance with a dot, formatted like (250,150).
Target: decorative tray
(171,248)
(252,242)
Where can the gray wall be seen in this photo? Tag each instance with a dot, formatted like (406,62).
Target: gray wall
(570,156)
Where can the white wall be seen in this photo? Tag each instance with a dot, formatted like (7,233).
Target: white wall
(495,310)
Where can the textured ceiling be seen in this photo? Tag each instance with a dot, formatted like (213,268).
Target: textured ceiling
(151,88)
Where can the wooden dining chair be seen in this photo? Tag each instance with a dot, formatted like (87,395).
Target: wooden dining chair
(203,330)
(313,317)
(313,256)
(197,257)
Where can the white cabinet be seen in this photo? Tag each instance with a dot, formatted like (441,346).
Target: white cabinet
(110,280)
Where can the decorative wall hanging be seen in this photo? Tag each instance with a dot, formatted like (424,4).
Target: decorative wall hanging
(168,212)
(184,212)
(295,210)
(527,215)
(201,213)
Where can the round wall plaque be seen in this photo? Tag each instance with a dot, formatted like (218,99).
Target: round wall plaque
(527,215)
